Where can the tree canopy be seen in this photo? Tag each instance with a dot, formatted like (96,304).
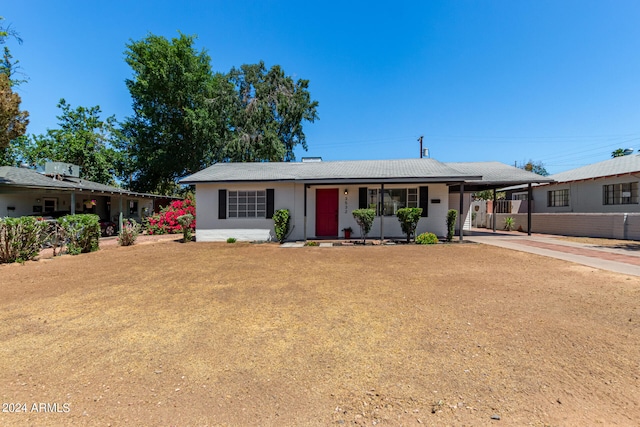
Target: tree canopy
(187,118)
(83,139)
(269,110)
(13,121)
(618,153)
(535,167)
(173,130)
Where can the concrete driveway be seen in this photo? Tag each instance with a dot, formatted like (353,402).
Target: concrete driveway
(620,259)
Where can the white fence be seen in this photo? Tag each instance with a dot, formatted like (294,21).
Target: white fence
(624,226)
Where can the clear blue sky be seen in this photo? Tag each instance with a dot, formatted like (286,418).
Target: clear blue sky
(554,81)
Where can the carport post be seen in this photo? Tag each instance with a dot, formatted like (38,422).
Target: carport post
(529,196)
(493,209)
(460,220)
(72,208)
(382,213)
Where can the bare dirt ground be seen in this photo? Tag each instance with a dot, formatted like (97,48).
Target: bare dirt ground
(611,243)
(171,334)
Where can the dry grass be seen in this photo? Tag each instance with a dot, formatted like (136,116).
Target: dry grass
(220,334)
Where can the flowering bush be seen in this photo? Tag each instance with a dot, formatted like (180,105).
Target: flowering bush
(129,232)
(166,222)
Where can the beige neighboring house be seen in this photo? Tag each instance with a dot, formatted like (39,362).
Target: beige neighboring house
(597,200)
(28,192)
(238,199)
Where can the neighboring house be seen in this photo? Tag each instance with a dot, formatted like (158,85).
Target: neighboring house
(28,192)
(598,200)
(238,199)
(605,187)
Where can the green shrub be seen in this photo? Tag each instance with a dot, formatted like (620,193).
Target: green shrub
(509,223)
(364,218)
(129,232)
(21,239)
(312,244)
(426,239)
(281,224)
(409,218)
(231,240)
(82,232)
(185,222)
(452,216)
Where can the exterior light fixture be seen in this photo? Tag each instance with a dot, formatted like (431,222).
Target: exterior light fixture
(346,191)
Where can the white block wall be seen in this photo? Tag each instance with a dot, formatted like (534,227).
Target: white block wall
(624,226)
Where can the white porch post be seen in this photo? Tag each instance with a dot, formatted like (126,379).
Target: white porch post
(305,211)
(493,209)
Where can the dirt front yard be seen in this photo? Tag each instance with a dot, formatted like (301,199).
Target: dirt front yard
(172,334)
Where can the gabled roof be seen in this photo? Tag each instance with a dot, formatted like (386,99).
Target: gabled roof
(617,166)
(481,174)
(28,178)
(408,170)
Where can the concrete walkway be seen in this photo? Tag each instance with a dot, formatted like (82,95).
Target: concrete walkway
(620,259)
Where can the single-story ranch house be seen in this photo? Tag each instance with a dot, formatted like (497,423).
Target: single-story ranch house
(604,187)
(597,200)
(28,192)
(238,199)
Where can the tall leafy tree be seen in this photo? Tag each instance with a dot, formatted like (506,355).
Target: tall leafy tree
(270,109)
(176,125)
(83,139)
(13,120)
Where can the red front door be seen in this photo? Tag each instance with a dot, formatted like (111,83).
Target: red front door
(327,212)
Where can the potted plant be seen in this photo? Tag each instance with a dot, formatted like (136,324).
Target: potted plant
(347,232)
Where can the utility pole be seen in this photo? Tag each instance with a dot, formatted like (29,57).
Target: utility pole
(421,151)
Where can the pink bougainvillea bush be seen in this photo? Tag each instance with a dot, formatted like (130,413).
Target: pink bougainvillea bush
(166,222)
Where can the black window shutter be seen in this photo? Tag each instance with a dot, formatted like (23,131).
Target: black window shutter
(270,202)
(222,204)
(362,198)
(424,200)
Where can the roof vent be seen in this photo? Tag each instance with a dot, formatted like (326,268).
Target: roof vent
(311,159)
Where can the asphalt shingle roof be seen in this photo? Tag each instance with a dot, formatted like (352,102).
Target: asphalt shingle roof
(496,173)
(410,169)
(616,166)
(366,170)
(22,177)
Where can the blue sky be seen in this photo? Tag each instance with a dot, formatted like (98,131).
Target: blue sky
(553,81)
